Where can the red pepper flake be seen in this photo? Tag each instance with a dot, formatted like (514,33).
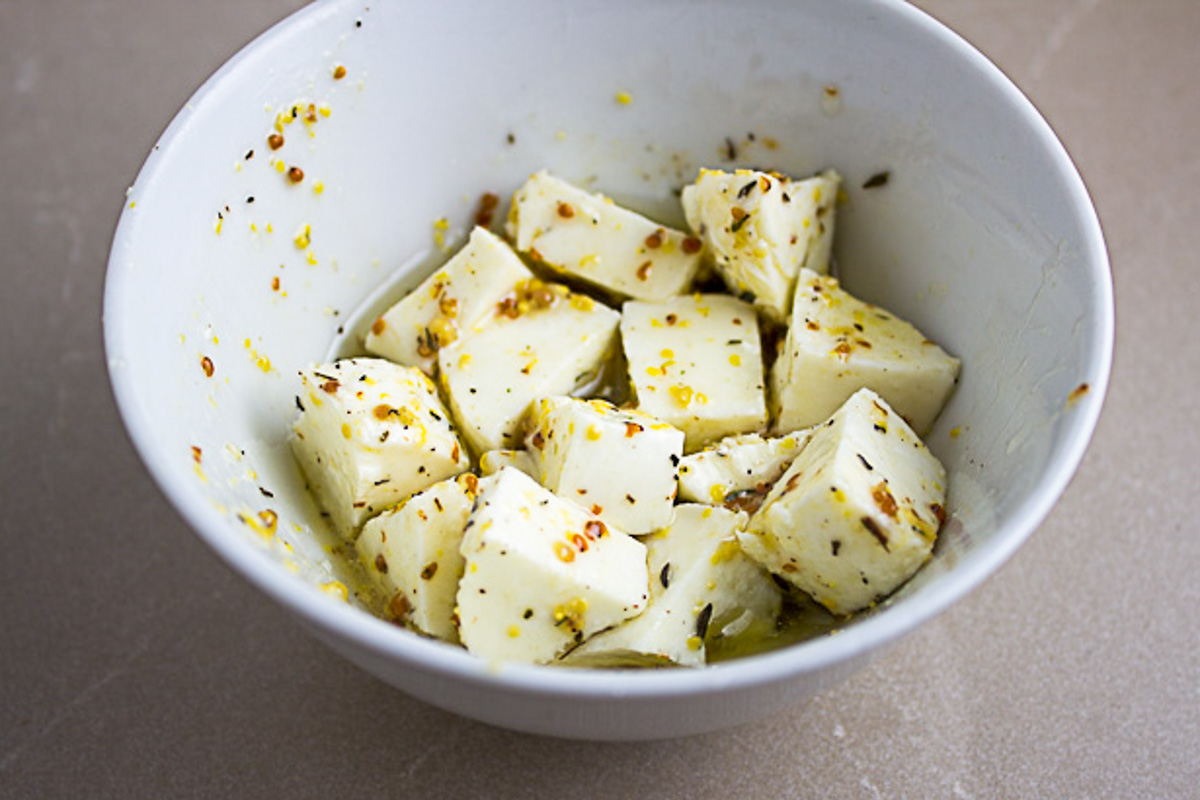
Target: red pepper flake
(339,72)
(938,512)
(597,509)
(295,174)
(538,441)
(1078,392)
(655,240)
(581,544)
(275,141)
(671,319)
(487,209)
(631,429)
(196,454)
(595,529)
(455,452)
(381,563)
(565,210)
(399,607)
(429,571)
(883,498)
(534,255)
(206,364)
(377,326)
(330,386)
(691,245)
(275,283)
(643,272)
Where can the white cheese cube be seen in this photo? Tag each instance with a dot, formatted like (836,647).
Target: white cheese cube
(618,463)
(448,302)
(858,511)
(761,228)
(412,553)
(696,363)
(748,464)
(837,344)
(542,574)
(493,461)
(539,340)
(591,238)
(700,582)
(369,434)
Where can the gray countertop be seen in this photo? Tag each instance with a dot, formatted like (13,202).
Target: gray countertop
(133,663)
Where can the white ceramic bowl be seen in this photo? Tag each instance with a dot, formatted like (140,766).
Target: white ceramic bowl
(984,237)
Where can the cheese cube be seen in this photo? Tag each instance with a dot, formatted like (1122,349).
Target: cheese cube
(738,469)
(542,574)
(493,461)
(696,363)
(837,344)
(448,302)
(591,238)
(411,552)
(540,340)
(369,434)
(620,464)
(858,511)
(701,583)
(761,228)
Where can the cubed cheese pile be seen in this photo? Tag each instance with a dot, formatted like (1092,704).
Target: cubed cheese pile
(504,493)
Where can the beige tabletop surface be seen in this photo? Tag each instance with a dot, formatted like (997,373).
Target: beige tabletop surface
(134,664)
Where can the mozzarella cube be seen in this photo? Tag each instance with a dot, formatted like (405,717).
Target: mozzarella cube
(493,461)
(701,583)
(540,340)
(837,344)
(448,302)
(542,574)
(858,511)
(621,464)
(738,469)
(412,553)
(761,228)
(369,434)
(696,363)
(590,237)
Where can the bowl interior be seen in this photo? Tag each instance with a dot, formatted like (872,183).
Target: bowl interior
(983,237)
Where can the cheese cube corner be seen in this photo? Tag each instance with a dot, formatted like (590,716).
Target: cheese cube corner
(857,513)
(696,362)
(448,302)
(493,461)
(540,339)
(619,463)
(762,227)
(412,554)
(738,470)
(369,434)
(701,586)
(542,574)
(837,344)
(591,238)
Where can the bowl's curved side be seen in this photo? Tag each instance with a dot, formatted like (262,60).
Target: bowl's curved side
(210,285)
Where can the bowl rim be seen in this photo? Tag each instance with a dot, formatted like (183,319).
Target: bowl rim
(373,635)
